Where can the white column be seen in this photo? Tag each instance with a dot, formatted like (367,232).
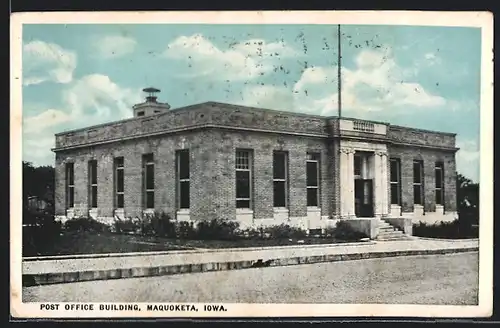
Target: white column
(378,192)
(347,182)
(385,185)
(351,199)
(344,183)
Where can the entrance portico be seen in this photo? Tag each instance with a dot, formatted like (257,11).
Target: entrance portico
(363,180)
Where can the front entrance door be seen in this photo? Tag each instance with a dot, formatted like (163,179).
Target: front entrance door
(363,195)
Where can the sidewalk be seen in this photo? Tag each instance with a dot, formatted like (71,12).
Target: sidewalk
(165,263)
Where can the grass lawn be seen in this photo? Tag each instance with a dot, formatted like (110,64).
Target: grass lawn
(72,243)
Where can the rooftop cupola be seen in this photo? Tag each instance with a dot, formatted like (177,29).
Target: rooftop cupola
(151,106)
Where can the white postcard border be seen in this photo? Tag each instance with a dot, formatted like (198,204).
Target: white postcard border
(483,20)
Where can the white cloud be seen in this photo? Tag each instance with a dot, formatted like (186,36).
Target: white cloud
(44,61)
(97,99)
(93,99)
(432,59)
(376,84)
(115,46)
(242,61)
(44,120)
(261,48)
(37,150)
(430,56)
(468,158)
(265,96)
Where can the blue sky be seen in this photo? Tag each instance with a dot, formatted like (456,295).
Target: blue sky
(423,77)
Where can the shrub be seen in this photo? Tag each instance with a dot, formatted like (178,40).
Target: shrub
(251,233)
(454,230)
(343,231)
(85,224)
(217,229)
(159,225)
(127,225)
(185,230)
(283,231)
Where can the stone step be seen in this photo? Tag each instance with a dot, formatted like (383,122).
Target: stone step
(394,236)
(403,237)
(390,234)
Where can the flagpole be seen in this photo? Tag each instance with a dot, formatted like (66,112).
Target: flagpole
(339,102)
(339,79)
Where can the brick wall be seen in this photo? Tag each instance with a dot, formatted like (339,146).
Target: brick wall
(420,137)
(224,147)
(59,185)
(212,173)
(163,150)
(196,116)
(429,157)
(212,154)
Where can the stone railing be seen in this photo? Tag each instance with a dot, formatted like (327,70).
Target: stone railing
(363,126)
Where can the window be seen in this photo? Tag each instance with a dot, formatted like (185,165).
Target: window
(93,184)
(357,165)
(70,185)
(243,179)
(140,113)
(312,179)
(395,180)
(439,172)
(119,183)
(418,183)
(183,179)
(280,179)
(149,181)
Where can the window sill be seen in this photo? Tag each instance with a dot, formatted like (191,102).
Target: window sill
(280,210)
(418,209)
(119,211)
(70,213)
(244,211)
(183,211)
(149,211)
(313,209)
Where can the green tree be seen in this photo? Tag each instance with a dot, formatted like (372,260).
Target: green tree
(38,181)
(467,200)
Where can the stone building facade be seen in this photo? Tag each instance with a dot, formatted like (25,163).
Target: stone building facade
(257,166)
